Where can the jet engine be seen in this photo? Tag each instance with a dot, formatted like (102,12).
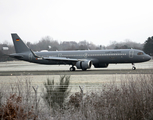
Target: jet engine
(101,65)
(84,64)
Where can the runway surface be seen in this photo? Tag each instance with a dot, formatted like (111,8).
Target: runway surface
(17,68)
(89,72)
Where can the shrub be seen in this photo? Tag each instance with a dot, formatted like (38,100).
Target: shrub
(55,95)
(130,99)
(15,110)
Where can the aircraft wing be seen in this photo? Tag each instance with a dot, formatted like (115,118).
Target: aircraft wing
(57,58)
(62,59)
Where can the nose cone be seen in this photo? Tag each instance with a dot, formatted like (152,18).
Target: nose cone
(147,57)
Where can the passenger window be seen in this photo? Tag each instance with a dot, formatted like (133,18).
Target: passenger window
(140,53)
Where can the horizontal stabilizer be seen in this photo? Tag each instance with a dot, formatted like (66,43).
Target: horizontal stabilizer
(16,56)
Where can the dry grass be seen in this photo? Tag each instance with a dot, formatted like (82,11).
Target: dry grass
(130,99)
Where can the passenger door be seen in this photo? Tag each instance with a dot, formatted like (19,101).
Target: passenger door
(131,53)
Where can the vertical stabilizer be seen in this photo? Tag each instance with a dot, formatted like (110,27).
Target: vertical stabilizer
(19,45)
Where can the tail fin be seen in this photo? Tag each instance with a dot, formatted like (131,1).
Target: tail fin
(19,45)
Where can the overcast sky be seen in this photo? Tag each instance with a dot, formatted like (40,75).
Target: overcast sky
(97,21)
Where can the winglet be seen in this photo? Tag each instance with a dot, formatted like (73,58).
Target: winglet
(19,45)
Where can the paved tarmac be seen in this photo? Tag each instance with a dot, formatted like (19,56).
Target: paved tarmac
(17,68)
(79,72)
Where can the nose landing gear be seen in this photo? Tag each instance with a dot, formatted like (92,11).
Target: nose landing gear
(133,67)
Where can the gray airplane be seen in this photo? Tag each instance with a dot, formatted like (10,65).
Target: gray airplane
(82,59)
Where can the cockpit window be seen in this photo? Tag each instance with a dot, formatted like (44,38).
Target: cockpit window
(140,53)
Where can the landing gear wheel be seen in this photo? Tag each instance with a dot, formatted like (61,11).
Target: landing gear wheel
(133,68)
(72,68)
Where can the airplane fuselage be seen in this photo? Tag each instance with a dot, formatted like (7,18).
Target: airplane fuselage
(96,56)
(82,59)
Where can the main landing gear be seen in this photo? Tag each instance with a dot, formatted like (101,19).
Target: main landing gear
(133,66)
(72,68)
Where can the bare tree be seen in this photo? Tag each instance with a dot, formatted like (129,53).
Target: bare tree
(127,44)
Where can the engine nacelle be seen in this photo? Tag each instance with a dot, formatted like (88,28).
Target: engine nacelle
(101,65)
(84,64)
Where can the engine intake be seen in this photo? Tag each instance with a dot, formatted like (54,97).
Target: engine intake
(84,64)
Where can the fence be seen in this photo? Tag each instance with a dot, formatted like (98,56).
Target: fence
(129,99)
